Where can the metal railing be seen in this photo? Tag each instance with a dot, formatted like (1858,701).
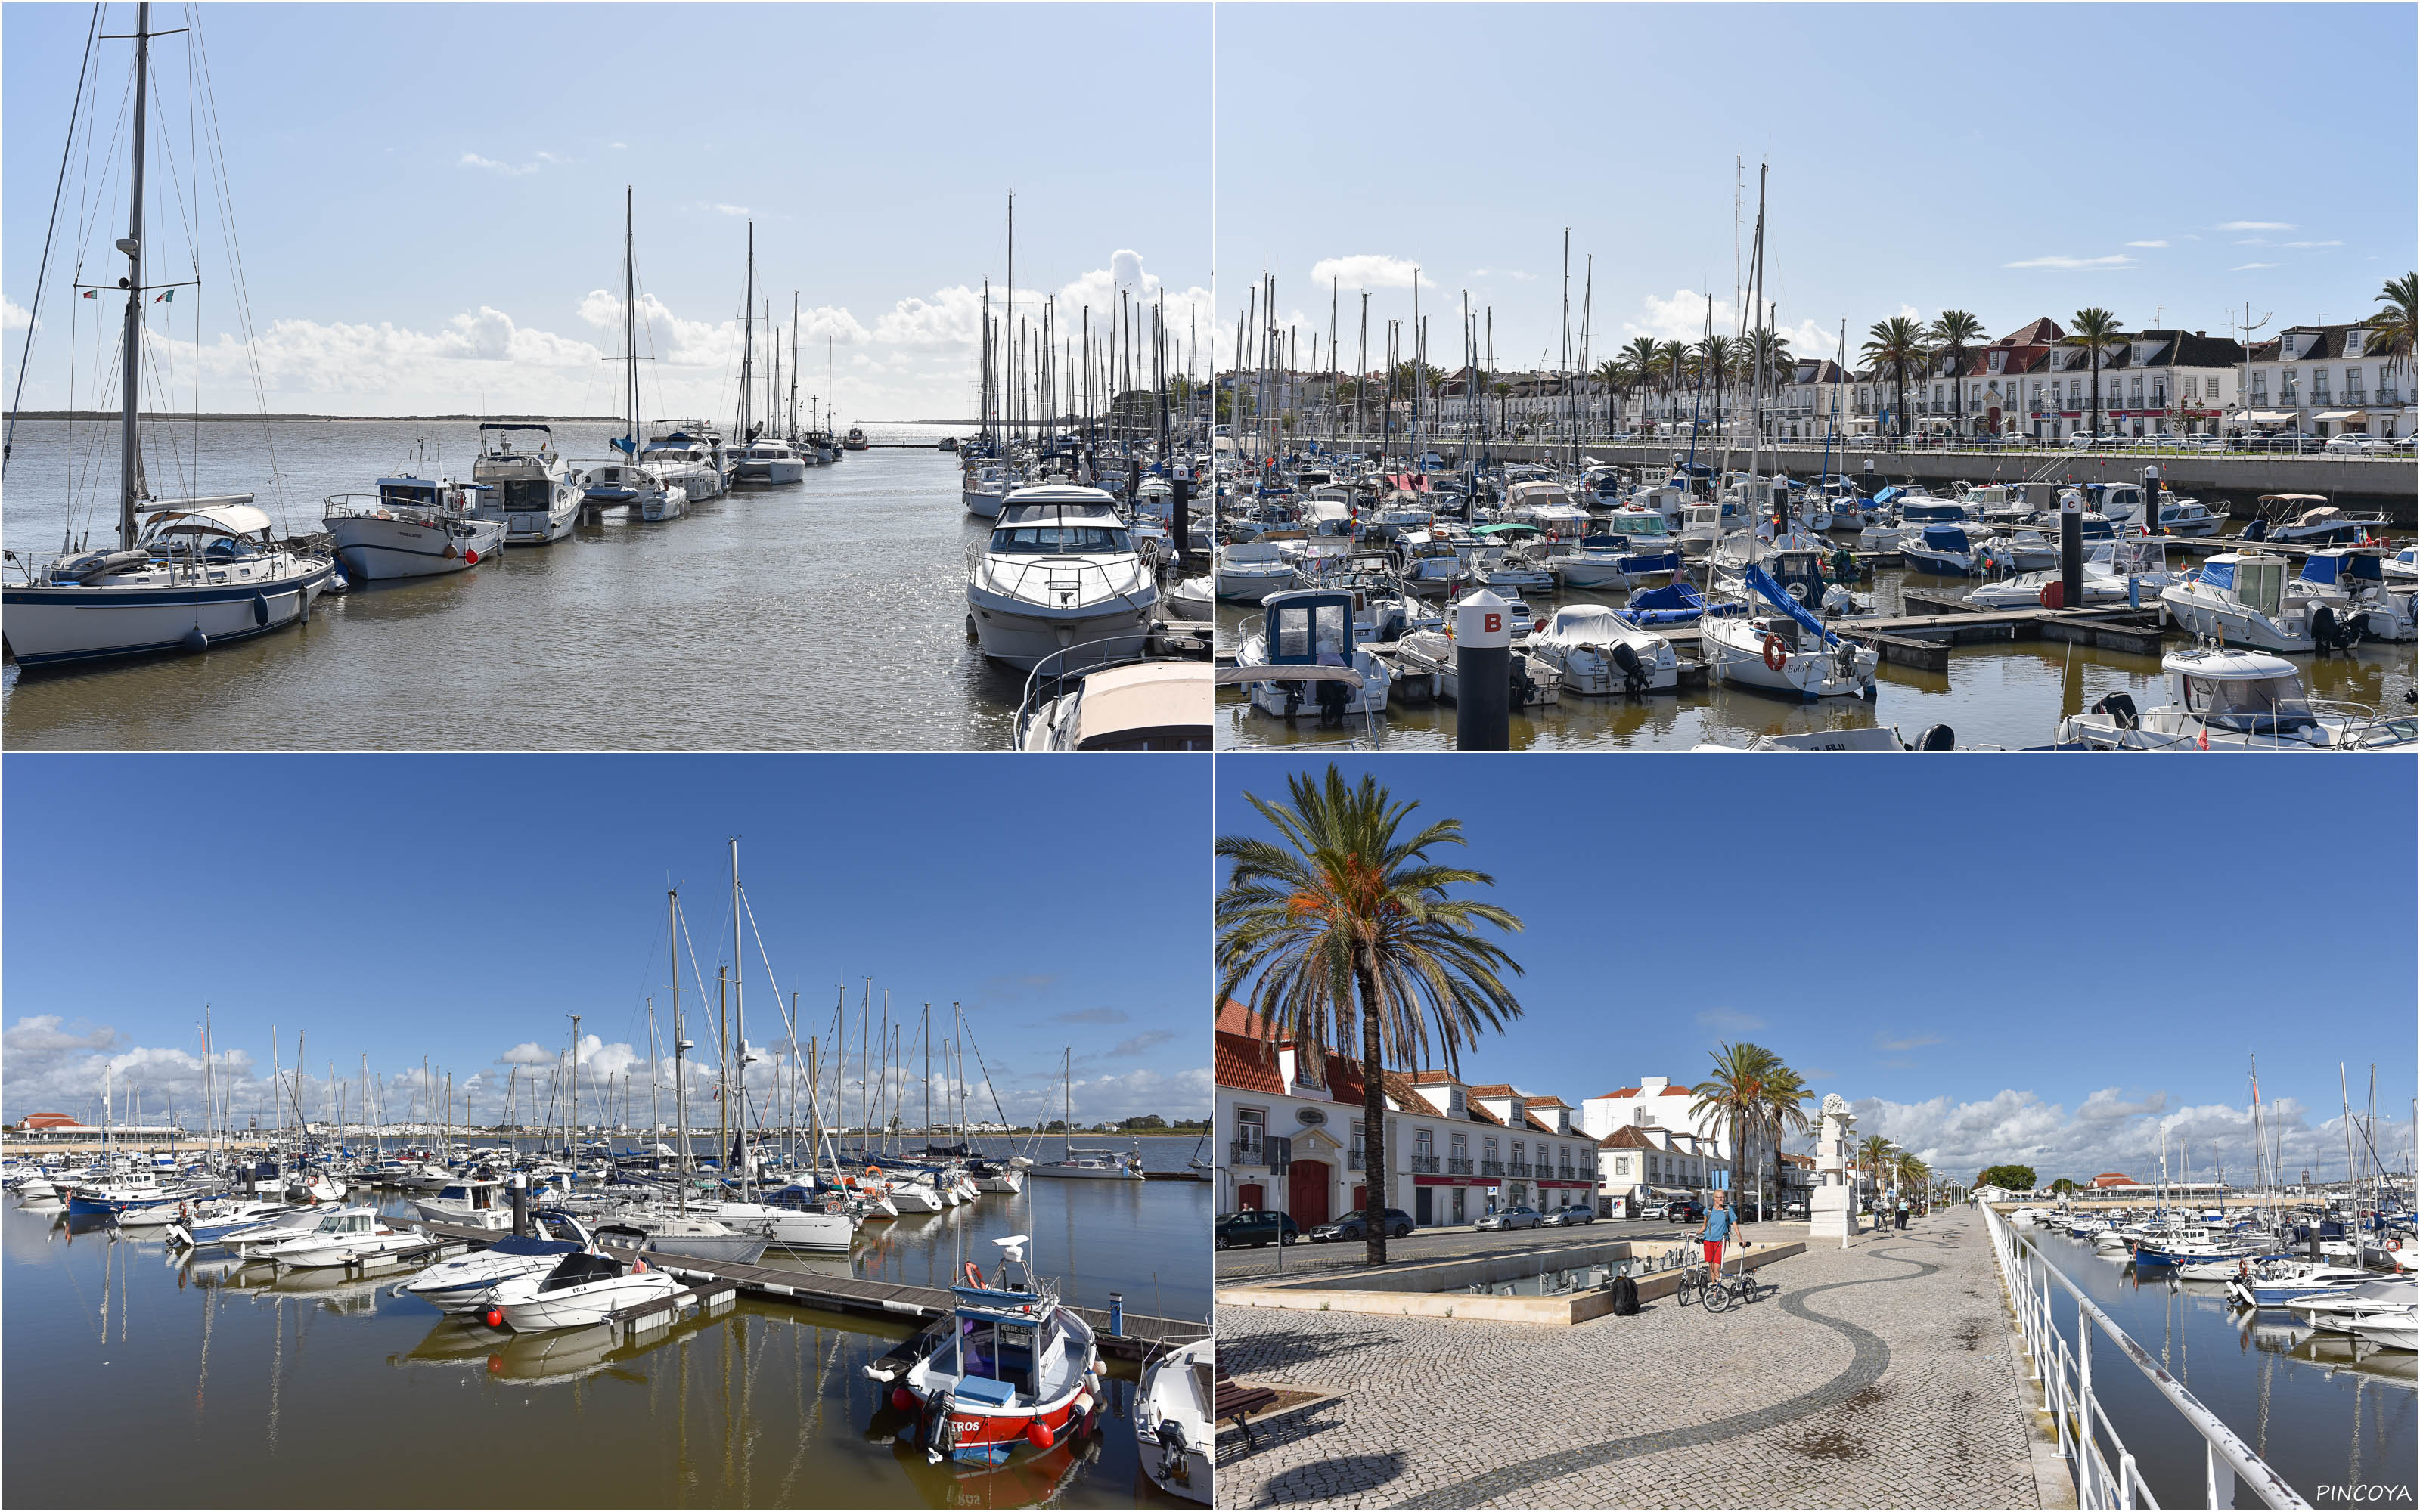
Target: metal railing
(1518,1168)
(1248,1152)
(1356,1160)
(1491,1168)
(2086,1435)
(1425,1165)
(1457,1166)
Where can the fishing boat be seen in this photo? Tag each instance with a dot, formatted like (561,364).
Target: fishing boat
(2226,699)
(583,1287)
(1058,570)
(1016,1370)
(855,441)
(187,573)
(529,488)
(413,527)
(1174,1429)
(471,1203)
(1594,651)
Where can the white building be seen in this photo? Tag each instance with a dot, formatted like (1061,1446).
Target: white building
(2323,380)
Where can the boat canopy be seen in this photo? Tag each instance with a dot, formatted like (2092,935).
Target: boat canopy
(2342,565)
(1947,538)
(222,520)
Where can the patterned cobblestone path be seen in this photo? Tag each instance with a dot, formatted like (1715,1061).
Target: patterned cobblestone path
(1879,1376)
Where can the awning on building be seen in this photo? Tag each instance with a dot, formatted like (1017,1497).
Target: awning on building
(2265,417)
(2342,414)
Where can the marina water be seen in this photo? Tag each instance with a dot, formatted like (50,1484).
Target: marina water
(2322,1411)
(134,1380)
(827,615)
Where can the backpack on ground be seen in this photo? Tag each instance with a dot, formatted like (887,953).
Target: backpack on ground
(1625,1296)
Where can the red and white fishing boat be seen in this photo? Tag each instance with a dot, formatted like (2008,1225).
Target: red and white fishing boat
(1016,1370)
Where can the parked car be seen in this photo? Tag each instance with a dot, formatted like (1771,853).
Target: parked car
(1685,1212)
(2083,438)
(1653,1210)
(1355,1225)
(2203,443)
(1506,1218)
(2353,443)
(1254,1228)
(1569,1218)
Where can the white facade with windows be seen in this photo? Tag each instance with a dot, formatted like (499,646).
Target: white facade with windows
(2324,380)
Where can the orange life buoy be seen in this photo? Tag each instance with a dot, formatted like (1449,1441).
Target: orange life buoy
(874,1170)
(1776,656)
(973,1273)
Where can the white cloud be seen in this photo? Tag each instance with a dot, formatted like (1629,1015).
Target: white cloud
(1913,1041)
(2254,226)
(2065,264)
(2147,243)
(735,210)
(13,316)
(1682,317)
(1368,269)
(2245,268)
(472,159)
(2315,243)
(527,1053)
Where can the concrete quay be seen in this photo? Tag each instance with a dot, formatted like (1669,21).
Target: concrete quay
(1880,1374)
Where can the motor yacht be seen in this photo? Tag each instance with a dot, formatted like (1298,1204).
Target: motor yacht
(469,1203)
(583,1287)
(2226,699)
(1161,704)
(411,528)
(1247,572)
(1058,570)
(2240,598)
(339,1238)
(529,488)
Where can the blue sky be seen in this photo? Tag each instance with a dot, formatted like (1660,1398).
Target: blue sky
(460,907)
(431,194)
(1994,959)
(1923,157)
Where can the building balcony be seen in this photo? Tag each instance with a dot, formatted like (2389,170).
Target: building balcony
(1356,1160)
(1567,1172)
(1491,1168)
(1518,1168)
(1457,1166)
(1424,1165)
(1248,1152)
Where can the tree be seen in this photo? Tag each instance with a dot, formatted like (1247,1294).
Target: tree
(1897,341)
(2015,1178)
(1609,372)
(1672,366)
(1950,332)
(2063,1186)
(1719,355)
(2394,324)
(2096,332)
(1783,1113)
(1350,931)
(1873,1152)
(1147,1121)
(1643,357)
(1735,1094)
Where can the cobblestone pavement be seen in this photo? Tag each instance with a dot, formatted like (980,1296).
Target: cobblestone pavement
(1239,1265)
(1878,1376)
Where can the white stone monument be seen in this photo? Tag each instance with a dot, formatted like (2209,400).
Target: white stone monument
(1832,1211)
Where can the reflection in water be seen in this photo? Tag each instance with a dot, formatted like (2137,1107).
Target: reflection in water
(260,1400)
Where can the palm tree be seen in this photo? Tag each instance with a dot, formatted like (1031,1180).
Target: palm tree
(1873,1152)
(1672,366)
(1897,341)
(1782,1113)
(2096,330)
(1347,931)
(1950,332)
(1643,355)
(2394,324)
(1735,1093)
(1609,372)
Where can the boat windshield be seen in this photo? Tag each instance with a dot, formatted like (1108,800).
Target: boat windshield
(2250,706)
(1045,540)
(422,495)
(527,493)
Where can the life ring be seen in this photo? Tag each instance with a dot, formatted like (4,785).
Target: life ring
(973,1273)
(874,1170)
(1776,656)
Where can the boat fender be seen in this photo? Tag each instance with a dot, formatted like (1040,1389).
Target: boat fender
(1776,656)
(194,640)
(2121,708)
(1038,1434)
(1084,1403)
(260,608)
(1937,737)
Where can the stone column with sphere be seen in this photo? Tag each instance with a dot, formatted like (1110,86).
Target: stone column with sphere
(1831,1213)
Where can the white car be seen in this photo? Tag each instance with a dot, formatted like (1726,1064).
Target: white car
(2353,443)
(2083,439)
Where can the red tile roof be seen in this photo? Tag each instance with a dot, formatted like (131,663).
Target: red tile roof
(1246,1065)
(1431,1077)
(1541,1102)
(1538,1123)
(1627,1137)
(1234,1018)
(1483,1115)
(1494,1089)
(1621,1091)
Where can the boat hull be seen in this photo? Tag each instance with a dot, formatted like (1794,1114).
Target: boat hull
(582,1306)
(374,550)
(49,625)
(1013,633)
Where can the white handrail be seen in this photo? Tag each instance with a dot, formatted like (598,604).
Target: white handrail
(2066,1376)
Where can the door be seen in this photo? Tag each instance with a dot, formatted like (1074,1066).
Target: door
(1251,1198)
(1461,1205)
(1361,1198)
(1307,1193)
(1421,1212)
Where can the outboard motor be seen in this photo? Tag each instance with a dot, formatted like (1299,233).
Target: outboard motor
(1938,737)
(1333,697)
(2121,709)
(1634,673)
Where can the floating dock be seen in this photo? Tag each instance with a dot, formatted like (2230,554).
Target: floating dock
(1142,1335)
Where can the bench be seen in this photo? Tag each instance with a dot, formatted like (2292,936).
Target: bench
(1235,1402)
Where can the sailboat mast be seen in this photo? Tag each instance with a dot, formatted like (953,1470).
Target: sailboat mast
(1008,326)
(748,337)
(631,314)
(794,361)
(130,464)
(739,1018)
(681,1046)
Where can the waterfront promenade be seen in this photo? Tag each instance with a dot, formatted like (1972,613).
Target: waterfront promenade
(1881,1375)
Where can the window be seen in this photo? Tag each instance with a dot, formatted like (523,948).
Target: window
(2288,382)
(2213,388)
(2260,386)
(1251,1125)
(2352,384)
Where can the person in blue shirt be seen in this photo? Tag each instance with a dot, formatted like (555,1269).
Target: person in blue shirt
(1716,1229)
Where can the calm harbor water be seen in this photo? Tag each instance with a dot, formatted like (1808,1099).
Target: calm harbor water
(827,615)
(245,1390)
(2320,1411)
(2011,695)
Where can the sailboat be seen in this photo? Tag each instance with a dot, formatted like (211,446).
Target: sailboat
(1084,1165)
(632,482)
(187,572)
(760,456)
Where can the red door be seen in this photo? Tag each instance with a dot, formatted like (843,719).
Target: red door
(1362,1198)
(1248,1198)
(1306,1192)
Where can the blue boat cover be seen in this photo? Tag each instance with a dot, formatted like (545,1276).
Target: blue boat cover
(1762,580)
(1945,538)
(1885,497)
(2218,574)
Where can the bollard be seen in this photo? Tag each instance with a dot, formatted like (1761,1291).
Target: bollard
(2071,553)
(1180,518)
(521,1205)
(1118,1312)
(1483,665)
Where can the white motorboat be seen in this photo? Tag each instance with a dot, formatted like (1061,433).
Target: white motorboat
(2275,1283)
(1156,704)
(585,1288)
(2240,598)
(411,528)
(2403,566)
(1594,651)
(1058,570)
(1250,571)
(2351,584)
(2336,1312)
(1427,658)
(462,1284)
(2391,1330)
(1436,575)
(1777,653)
(339,1238)
(1172,1423)
(472,1204)
(1195,599)
(2225,699)
(529,488)
(687,455)
(1943,551)
(2188,517)
(2309,519)
(768,460)
(1305,628)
